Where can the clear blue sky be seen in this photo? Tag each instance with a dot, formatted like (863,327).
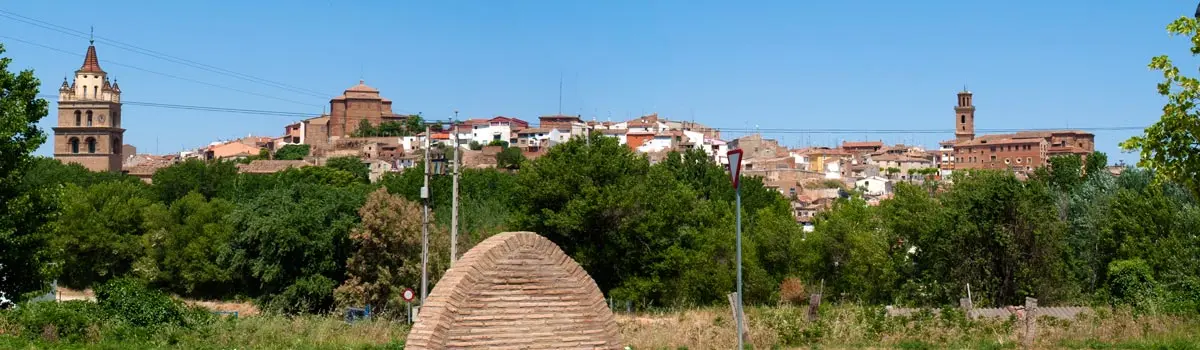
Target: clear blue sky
(730,64)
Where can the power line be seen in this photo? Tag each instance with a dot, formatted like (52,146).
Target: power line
(159,73)
(768,131)
(160,55)
(206,108)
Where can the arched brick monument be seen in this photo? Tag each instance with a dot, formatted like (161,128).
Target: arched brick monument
(515,290)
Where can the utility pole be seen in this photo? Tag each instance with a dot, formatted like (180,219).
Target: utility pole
(454,195)
(425,224)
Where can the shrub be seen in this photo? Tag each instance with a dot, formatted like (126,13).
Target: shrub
(475,146)
(501,143)
(1132,282)
(312,294)
(130,300)
(791,291)
(71,321)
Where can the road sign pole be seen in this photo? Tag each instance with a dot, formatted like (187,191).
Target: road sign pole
(740,327)
(735,173)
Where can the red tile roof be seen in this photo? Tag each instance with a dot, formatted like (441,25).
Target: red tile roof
(90,62)
(361,87)
(861,144)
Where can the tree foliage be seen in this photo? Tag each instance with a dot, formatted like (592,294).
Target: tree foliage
(210,179)
(26,208)
(292,152)
(1168,147)
(183,242)
(352,165)
(290,243)
(98,236)
(386,254)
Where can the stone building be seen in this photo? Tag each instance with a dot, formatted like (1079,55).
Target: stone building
(89,130)
(346,113)
(1022,151)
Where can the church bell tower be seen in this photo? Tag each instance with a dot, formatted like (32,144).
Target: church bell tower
(89,129)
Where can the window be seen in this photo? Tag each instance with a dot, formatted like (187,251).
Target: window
(89,119)
(74,145)
(1006,161)
(91,145)
(1018,160)
(116,146)
(993,148)
(993,158)
(78,118)
(963,119)
(85,91)
(1029,160)
(96,91)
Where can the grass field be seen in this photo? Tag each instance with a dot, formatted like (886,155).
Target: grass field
(706,328)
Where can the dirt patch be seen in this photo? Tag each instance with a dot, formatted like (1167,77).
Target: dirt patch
(243,309)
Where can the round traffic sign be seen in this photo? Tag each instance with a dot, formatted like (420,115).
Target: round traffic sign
(408,294)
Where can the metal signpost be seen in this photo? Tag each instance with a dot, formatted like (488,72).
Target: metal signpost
(408,295)
(735,173)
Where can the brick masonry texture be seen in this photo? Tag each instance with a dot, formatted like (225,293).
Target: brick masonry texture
(515,290)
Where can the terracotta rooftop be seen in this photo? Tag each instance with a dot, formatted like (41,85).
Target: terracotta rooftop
(361,87)
(861,144)
(534,131)
(90,62)
(318,120)
(898,158)
(612,131)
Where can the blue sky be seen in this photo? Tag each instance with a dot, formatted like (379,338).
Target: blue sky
(729,64)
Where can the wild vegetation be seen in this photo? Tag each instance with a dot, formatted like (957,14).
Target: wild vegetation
(311,241)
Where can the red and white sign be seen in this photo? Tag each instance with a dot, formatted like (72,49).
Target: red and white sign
(408,295)
(735,165)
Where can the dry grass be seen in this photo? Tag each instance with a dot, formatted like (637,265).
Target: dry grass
(861,327)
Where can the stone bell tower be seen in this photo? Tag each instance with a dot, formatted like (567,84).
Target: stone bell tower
(89,129)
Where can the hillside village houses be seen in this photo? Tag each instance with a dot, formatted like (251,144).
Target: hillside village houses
(89,132)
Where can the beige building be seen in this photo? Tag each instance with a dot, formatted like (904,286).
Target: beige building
(89,130)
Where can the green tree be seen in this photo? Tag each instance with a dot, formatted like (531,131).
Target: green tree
(1005,238)
(1096,163)
(853,253)
(510,158)
(1065,172)
(415,124)
(352,165)
(1169,146)
(365,129)
(98,235)
(387,253)
(182,244)
(292,152)
(27,208)
(290,245)
(501,143)
(316,175)
(211,179)
(390,128)
(475,146)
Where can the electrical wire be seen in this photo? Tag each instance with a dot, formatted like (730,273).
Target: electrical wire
(159,73)
(158,55)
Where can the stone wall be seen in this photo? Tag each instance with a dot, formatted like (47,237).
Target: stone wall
(515,290)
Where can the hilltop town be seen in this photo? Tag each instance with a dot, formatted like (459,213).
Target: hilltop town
(361,123)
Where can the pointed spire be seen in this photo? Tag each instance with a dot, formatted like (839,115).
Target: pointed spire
(65,87)
(90,62)
(92,36)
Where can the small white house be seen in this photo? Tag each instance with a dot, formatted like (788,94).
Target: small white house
(874,185)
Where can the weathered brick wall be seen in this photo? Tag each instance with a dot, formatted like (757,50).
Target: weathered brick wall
(515,290)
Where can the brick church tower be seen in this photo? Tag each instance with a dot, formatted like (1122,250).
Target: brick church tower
(964,117)
(89,129)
